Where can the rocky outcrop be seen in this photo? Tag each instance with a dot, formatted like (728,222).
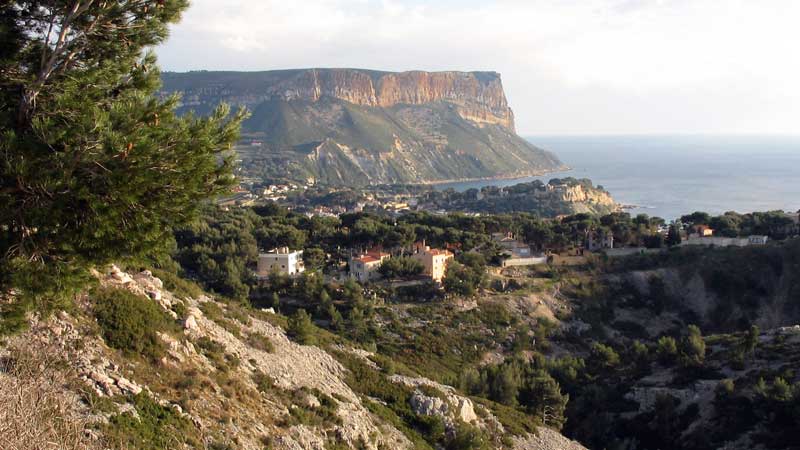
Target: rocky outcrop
(580,194)
(448,404)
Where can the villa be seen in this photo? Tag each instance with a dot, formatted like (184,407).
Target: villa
(434,260)
(281,260)
(365,267)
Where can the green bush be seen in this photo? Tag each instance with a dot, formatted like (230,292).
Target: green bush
(212,311)
(177,285)
(301,329)
(467,437)
(129,322)
(215,352)
(215,313)
(154,427)
(401,267)
(260,342)
(264,382)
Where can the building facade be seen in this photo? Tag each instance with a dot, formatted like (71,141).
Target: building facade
(434,260)
(365,267)
(599,240)
(281,260)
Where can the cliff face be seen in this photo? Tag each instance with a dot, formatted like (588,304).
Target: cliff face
(580,194)
(479,96)
(351,126)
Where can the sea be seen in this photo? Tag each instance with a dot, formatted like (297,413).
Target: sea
(672,175)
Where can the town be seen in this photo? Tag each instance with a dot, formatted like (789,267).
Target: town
(557,197)
(571,240)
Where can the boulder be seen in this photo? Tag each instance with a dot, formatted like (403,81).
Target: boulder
(190,323)
(465,411)
(428,406)
(128,386)
(118,275)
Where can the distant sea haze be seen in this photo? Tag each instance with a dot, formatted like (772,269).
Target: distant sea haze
(672,175)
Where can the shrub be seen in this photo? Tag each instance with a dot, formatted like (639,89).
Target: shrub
(260,342)
(467,437)
(321,415)
(177,285)
(215,352)
(301,329)
(238,313)
(694,348)
(603,356)
(215,313)
(154,427)
(264,382)
(212,311)
(667,349)
(129,322)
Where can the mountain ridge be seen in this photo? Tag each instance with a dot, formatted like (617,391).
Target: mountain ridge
(354,126)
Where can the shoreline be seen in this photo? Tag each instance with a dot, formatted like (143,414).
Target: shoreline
(495,177)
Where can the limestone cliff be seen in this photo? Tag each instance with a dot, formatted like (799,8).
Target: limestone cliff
(377,127)
(479,96)
(579,193)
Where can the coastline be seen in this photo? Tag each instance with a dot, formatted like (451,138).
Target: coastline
(512,176)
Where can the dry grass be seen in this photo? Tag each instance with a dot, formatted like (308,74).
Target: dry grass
(37,411)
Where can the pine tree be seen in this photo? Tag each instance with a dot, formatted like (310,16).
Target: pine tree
(94,166)
(694,347)
(301,329)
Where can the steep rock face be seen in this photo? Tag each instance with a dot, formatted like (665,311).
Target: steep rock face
(478,95)
(580,194)
(351,126)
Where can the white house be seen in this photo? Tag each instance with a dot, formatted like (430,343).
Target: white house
(280,260)
(514,248)
(600,240)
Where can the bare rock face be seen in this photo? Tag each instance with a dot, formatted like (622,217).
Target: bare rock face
(449,405)
(427,405)
(478,95)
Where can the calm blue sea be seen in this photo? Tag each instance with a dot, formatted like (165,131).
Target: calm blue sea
(668,176)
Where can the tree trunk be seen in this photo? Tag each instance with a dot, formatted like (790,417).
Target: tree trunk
(27,103)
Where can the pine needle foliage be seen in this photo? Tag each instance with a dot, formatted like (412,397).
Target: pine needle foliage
(95,166)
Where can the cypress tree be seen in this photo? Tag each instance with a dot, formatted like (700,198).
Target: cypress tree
(673,236)
(95,167)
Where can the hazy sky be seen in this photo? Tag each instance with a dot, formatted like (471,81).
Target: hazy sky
(568,66)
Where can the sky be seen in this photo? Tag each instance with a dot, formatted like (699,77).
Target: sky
(568,66)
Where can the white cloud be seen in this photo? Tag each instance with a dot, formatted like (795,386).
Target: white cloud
(569,66)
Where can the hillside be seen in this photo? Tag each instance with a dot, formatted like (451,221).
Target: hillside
(350,126)
(151,364)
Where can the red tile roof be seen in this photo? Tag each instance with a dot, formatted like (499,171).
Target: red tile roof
(367,259)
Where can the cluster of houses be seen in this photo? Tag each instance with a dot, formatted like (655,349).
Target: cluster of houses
(704,235)
(363,268)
